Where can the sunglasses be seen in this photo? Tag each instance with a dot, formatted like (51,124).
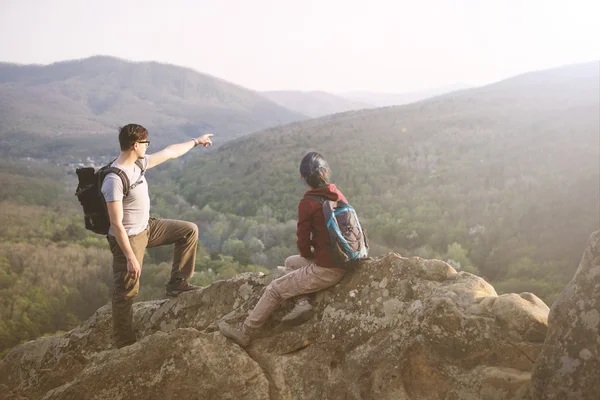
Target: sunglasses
(147,142)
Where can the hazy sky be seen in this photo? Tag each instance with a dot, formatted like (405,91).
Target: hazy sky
(337,45)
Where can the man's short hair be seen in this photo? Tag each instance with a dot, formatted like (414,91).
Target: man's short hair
(131,133)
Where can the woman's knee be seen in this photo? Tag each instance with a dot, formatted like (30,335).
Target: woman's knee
(273,291)
(289,261)
(293,262)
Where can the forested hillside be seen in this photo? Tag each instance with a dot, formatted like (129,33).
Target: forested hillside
(502,179)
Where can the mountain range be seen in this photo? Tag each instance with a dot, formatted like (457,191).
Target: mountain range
(64,106)
(314,104)
(97,94)
(318,103)
(378,99)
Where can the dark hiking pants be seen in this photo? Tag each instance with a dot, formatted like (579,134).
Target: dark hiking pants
(159,232)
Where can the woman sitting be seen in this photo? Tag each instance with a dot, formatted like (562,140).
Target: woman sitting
(309,272)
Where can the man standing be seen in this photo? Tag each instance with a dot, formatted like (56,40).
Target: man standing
(132,230)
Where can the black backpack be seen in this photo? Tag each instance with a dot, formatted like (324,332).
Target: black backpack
(89,193)
(348,240)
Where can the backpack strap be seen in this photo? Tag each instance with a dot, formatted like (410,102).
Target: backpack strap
(109,169)
(319,199)
(127,187)
(117,171)
(139,163)
(143,171)
(323,199)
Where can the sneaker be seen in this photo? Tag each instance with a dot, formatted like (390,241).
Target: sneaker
(236,333)
(180,286)
(301,313)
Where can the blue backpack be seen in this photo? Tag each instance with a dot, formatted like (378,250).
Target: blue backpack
(348,240)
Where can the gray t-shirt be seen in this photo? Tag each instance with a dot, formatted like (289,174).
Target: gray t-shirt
(136,206)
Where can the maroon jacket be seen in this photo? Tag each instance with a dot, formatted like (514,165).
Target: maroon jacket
(312,231)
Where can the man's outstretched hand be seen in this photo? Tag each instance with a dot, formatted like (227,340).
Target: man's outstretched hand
(204,140)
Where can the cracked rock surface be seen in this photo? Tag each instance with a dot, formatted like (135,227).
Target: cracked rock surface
(394,328)
(569,364)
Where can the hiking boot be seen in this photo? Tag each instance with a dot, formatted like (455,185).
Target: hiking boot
(237,333)
(301,313)
(180,286)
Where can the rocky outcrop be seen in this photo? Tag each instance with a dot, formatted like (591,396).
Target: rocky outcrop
(569,364)
(394,328)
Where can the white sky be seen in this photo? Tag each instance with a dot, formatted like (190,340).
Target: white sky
(331,45)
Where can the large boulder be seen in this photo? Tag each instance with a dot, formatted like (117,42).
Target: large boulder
(569,364)
(394,328)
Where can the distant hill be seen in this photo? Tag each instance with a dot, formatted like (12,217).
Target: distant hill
(98,94)
(509,171)
(396,99)
(314,104)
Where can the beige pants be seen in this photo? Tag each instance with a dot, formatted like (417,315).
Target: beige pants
(160,232)
(302,277)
